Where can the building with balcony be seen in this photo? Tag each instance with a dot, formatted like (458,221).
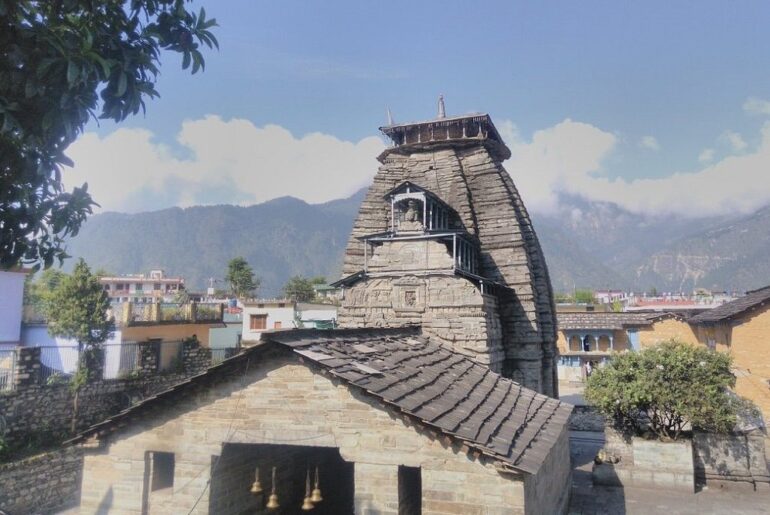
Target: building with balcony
(142,288)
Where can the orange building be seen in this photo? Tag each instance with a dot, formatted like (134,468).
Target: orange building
(593,336)
(742,328)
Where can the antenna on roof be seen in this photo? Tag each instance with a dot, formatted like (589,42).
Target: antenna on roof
(390,116)
(441,108)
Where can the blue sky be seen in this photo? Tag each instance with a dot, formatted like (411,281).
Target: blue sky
(671,82)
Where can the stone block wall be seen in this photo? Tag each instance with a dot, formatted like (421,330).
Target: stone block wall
(473,182)
(33,409)
(449,308)
(731,457)
(45,483)
(281,402)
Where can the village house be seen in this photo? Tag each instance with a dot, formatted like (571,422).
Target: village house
(140,288)
(741,327)
(593,337)
(260,315)
(435,398)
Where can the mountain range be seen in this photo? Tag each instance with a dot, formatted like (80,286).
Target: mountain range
(593,245)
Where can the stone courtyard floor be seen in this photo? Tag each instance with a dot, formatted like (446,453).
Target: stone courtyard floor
(590,500)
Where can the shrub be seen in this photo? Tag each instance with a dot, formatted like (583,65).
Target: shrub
(666,388)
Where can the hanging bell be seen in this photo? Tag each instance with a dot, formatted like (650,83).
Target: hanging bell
(272,502)
(316,497)
(256,488)
(307,504)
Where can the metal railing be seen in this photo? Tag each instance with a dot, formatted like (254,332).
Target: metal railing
(58,363)
(209,312)
(174,311)
(221,354)
(7,369)
(120,360)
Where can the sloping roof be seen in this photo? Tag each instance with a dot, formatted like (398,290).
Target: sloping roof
(748,302)
(606,320)
(439,389)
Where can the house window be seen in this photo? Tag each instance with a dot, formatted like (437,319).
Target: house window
(276,325)
(138,287)
(121,286)
(156,286)
(162,471)
(409,491)
(257,322)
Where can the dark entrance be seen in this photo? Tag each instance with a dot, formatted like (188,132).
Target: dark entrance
(232,475)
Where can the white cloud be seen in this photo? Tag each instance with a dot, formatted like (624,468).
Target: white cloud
(734,140)
(569,157)
(231,162)
(706,156)
(757,106)
(650,143)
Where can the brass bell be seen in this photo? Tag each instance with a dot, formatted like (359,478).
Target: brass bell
(316,497)
(256,488)
(272,502)
(307,504)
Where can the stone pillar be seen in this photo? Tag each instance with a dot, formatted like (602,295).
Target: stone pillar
(155,312)
(126,317)
(149,357)
(195,358)
(27,367)
(612,343)
(376,489)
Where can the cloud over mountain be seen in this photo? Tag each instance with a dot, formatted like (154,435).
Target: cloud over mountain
(234,161)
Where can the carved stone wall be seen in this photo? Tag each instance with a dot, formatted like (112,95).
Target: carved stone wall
(448,307)
(479,189)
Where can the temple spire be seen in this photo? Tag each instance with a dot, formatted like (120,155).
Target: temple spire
(441,108)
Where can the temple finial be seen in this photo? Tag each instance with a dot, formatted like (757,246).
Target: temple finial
(441,108)
(390,116)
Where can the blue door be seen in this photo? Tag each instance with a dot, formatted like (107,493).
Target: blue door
(633,339)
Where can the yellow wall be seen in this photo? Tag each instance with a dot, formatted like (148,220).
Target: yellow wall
(664,330)
(168,333)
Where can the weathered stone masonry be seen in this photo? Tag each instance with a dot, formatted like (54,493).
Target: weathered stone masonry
(459,160)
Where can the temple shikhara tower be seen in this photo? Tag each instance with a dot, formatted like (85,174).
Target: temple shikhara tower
(443,240)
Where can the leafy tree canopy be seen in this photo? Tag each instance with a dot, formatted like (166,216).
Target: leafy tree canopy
(61,63)
(666,388)
(241,278)
(77,308)
(299,289)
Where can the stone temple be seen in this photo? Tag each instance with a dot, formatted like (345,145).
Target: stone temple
(443,240)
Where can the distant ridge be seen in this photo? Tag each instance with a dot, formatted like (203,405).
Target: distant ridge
(587,244)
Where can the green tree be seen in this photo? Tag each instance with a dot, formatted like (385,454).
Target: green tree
(77,309)
(319,279)
(585,296)
(241,278)
(666,388)
(62,63)
(299,289)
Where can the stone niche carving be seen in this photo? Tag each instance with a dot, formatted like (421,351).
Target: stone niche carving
(410,214)
(409,295)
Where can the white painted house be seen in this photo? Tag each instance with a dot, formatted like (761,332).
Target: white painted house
(11,298)
(260,315)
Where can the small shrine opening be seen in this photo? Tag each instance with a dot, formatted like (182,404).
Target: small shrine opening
(302,479)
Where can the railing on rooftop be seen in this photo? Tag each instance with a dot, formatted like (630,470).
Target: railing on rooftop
(58,363)
(129,313)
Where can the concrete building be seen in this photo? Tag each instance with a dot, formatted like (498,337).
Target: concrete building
(595,336)
(443,240)
(741,327)
(260,315)
(140,288)
(11,299)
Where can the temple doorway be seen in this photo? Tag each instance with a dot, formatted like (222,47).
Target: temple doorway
(233,475)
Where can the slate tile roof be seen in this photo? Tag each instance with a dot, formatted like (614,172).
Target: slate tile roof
(432,385)
(444,390)
(607,320)
(729,310)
